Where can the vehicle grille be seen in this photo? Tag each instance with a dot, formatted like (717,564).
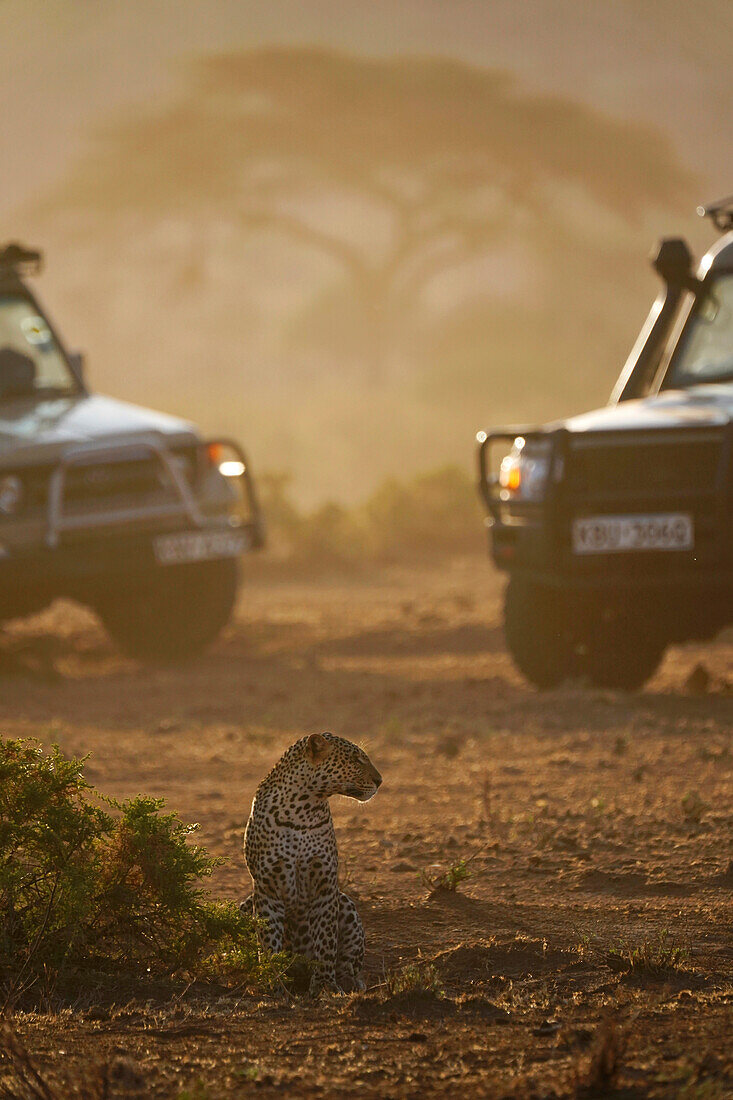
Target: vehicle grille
(113,479)
(106,485)
(628,468)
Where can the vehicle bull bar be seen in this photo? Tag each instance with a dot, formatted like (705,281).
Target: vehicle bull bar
(185,506)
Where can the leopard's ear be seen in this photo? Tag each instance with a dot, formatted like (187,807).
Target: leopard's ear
(317,748)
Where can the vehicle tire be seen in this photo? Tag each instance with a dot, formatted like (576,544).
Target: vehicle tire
(535,627)
(174,612)
(621,651)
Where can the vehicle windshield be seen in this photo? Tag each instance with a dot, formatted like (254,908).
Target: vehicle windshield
(31,362)
(705,352)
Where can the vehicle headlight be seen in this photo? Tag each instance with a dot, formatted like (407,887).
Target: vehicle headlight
(525,471)
(232,468)
(11,494)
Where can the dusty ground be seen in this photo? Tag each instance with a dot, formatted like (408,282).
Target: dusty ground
(592,821)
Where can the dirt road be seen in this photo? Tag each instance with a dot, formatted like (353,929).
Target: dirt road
(591,823)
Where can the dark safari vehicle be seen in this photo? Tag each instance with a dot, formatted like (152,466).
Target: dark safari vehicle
(126,510)
(616,527)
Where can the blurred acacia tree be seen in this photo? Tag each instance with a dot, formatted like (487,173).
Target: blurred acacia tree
(393,170)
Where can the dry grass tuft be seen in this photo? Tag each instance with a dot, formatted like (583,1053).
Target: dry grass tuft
(656,958)
(416,977)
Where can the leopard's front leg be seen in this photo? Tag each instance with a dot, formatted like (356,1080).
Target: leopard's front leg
(271,914)
(350,960)
(323,922)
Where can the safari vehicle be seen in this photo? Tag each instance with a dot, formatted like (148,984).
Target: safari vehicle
(126,510)
(616,527)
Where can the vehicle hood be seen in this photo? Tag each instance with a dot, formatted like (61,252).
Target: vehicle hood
(43,430)
(697,407)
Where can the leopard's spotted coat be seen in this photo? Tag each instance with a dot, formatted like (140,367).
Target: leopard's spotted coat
(290,850)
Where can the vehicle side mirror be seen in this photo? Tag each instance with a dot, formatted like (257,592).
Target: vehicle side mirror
(673,262)
(76,361)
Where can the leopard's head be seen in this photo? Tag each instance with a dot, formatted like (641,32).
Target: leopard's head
(337,766)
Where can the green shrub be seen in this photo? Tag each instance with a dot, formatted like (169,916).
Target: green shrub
(330,535)
(86,882)
(429,516)
(436,512)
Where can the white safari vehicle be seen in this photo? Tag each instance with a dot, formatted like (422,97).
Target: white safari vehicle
(616,527)
(126,510)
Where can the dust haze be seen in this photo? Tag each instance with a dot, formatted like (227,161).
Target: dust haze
(353,260)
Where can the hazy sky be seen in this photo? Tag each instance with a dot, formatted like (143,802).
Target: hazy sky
(65,65)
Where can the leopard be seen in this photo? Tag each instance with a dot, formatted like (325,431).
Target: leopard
(291,853)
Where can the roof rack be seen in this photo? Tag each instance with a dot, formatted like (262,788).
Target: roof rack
(721,213)
(20,260)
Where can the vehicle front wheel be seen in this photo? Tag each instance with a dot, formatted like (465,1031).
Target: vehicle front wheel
(621,651)
(173,612)
(535,628)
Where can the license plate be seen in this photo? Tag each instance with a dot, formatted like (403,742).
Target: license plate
(621,534)
(199,546)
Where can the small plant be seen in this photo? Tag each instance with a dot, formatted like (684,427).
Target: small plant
(248,1073)
(583,946)
(621,744)
(693,807)
(416,977)
(199,1092)
(449,879)
(653,958)
(452,877)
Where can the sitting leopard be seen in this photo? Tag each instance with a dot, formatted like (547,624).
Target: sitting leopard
(290,850)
